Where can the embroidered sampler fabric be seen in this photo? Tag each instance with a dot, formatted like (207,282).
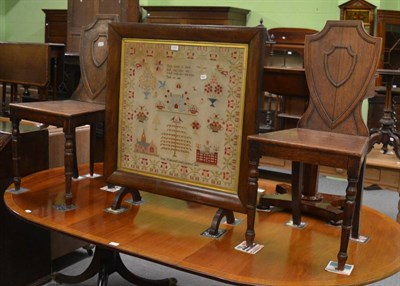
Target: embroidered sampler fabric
(181,111)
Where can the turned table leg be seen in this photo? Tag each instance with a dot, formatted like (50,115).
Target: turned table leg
(15,153)
(69,133)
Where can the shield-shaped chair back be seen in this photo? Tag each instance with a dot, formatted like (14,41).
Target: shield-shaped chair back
(340,64)
(93,54)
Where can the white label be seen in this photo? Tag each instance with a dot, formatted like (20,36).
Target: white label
(203,77)
(100,44)
(174,48)
(114,243)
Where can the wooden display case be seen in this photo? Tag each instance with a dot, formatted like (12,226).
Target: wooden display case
(388,28)
(284,78)
(55,26)
(196,15)
(359,10)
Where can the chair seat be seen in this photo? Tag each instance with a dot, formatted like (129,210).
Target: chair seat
(312,146)
(65,108)
(57,112)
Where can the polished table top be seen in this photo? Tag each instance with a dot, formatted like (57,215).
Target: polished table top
(167,231)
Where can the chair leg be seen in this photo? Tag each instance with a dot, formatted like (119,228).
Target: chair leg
(355,232)
(75,171)
(348,216)
(297,189)
(69,133)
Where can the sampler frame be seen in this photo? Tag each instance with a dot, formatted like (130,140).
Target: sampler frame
(182,100)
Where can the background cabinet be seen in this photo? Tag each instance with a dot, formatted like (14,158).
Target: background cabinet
(388,28)
(55,26)
(196,15)
(285,88)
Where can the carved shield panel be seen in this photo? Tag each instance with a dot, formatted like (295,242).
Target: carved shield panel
(93,60)
(100,50)
(94,64)
(338,75)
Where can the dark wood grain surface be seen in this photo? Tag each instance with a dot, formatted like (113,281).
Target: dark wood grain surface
(167,231)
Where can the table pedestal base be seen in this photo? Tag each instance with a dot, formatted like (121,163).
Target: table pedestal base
(325,206)
(106,262)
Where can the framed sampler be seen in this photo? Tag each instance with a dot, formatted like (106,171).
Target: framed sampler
(182,100)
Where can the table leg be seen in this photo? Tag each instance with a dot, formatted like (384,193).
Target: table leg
(55,77)
(252,196)
(3,101)
(68,165)
(387,133)
(75,170)
(15,153)
(92,147)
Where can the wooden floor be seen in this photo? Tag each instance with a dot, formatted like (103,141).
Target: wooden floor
(167,231)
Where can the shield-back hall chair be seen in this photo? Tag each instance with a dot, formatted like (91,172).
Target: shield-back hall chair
(340,64)
(86,105)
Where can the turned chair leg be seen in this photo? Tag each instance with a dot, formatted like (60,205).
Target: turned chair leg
(351,191)
(355,232)
(15,153)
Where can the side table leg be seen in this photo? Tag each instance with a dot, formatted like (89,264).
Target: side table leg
(16,158)
(253,175)
(75,171)
(92,147)
(3,101)
(68,165)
